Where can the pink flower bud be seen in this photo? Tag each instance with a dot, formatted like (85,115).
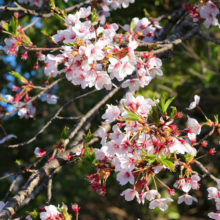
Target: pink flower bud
(75,208)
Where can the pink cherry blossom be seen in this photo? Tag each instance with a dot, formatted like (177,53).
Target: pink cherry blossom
(39,152)
(51,213)
(187,199)
(194,125)
(125,176)
(129,194)
(111,113)
(195,103)
(214,215)
(160,203)
(213,193)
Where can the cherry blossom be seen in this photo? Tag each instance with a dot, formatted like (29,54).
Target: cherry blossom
(125,176)
(195,103)
(191,182)
(129,194)
(214,215)
(209,12)
(160,203)
(194,125)
(51,213)
(213,193)
(39,152)
(49,98)
(111,113)
(187,199)
(6,138)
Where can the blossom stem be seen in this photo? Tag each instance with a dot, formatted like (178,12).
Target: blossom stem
(202,112)
(200,157)
(161,181)
(155,183)
(3,130)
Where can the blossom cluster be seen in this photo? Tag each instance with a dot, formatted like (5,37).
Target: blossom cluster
(206,10)
(90,52)
(214,193)
(141,145)
(147,30)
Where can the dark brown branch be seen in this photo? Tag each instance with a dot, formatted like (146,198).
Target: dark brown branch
(206,37)
(174,18)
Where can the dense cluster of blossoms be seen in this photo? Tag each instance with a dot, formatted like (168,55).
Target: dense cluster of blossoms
(206,10)
(147,30)
(90,52)
(141,145)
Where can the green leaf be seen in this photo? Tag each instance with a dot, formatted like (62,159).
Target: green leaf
(88,137)
(149,158)
(19,162)
(5,26)
(95,17)
(154,116)
(163,106)
(168,102)
(13,25)
(169,164)
(51,3)
(162,157)
(132,26)
(2,99)
(19,77)
(147,15)
(34,214)
(89,156)
(188,157)
(174,112)
(59,17)
(64,133)
(65,213)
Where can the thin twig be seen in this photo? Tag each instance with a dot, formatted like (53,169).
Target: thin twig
(50,121)
(46,15)
(31,24)
(206,136)
(35,97)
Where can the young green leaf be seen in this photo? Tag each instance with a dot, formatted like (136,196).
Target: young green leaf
(88,137)
(154,116)
(174,111)
(19,77)
(64,133)
(94,17)
(169,164)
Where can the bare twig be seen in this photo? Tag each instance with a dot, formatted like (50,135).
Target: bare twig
(205,171)
(49,189)
(31,24)
(206,136)
(50,121)
(95,108)
(35,97)
(68,118)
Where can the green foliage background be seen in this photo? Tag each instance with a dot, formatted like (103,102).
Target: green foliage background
(194,69)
